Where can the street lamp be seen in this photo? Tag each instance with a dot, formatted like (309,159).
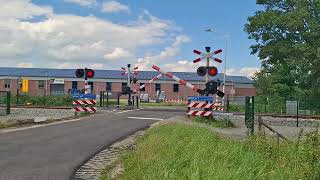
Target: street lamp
(225,55)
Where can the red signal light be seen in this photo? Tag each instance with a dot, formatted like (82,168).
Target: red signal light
(90,73)
(213,71)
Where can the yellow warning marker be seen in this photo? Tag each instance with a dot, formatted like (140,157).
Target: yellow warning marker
(25,86)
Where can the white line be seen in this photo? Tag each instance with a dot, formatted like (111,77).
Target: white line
(157,119)
(124,111)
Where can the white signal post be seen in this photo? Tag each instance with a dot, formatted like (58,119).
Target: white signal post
(225,56)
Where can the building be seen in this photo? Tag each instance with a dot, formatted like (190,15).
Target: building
(60,81)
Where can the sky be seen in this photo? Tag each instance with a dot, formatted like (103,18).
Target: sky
(109,34)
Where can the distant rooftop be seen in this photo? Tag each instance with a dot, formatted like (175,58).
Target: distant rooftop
(111,74)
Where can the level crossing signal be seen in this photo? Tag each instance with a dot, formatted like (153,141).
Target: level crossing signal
(86,73)
(211,71)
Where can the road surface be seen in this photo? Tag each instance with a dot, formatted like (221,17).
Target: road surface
(54,151)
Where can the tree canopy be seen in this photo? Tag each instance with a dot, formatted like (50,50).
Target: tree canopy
(287,36)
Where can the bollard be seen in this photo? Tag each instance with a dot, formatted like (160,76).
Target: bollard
(107,99)
(8,102)
(137,102)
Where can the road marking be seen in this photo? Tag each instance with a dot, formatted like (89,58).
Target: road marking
(125,111)
(156,119)
(14,129)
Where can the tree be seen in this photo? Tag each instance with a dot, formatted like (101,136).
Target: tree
(287,35)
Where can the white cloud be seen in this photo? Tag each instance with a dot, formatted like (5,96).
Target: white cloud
(245,71)
(65,40)
(114,6)
(97,66)
(168,54)
(83,2)
(21,9)
(25,65)
(118,54)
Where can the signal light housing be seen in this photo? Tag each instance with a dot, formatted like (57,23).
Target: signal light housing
(202,71)
(212,71)
(79,73)
(86,73)
(89,73)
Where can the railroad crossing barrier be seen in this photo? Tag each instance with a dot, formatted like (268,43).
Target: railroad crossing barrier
(85,105)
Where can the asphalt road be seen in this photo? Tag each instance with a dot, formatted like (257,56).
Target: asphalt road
(53,152)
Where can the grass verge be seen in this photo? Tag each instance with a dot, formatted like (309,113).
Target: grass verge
(215,122)
(176,151)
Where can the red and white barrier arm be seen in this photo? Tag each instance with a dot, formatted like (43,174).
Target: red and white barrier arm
(149,82)
(172,76)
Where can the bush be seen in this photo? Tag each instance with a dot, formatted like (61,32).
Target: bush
(65,100)
(236,108)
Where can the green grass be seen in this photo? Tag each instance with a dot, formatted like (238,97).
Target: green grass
(215,122)
(3,125)
(188,152)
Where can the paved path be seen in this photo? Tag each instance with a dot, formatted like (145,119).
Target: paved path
(53,152)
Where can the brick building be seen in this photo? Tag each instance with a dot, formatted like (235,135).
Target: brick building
(60,81)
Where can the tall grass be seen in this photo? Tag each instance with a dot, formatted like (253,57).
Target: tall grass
(188,152)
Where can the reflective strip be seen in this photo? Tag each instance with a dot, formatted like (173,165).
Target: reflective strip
(199,113)
(84,102)
(85,109)
(197,104)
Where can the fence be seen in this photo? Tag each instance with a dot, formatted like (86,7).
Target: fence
(108,99)
(276,105)
(5,104)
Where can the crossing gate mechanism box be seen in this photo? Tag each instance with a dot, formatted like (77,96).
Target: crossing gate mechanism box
(85,105)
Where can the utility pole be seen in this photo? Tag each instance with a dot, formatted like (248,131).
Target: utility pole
(225,66)
(129,74)
(129,84)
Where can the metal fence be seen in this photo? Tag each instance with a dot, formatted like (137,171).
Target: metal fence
(5,103)
(278,105)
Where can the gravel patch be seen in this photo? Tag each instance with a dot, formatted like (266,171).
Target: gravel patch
(27,114)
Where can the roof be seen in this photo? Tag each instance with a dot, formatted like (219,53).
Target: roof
(110,74)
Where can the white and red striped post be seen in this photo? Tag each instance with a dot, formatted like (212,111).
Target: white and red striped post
(172,76)
(149,82)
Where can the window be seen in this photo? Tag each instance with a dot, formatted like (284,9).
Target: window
(7,83)
(123,85)
(74,84)
(41,84)
(109,86)
(91,84)
(176,88)
(158,87)
(142,89)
